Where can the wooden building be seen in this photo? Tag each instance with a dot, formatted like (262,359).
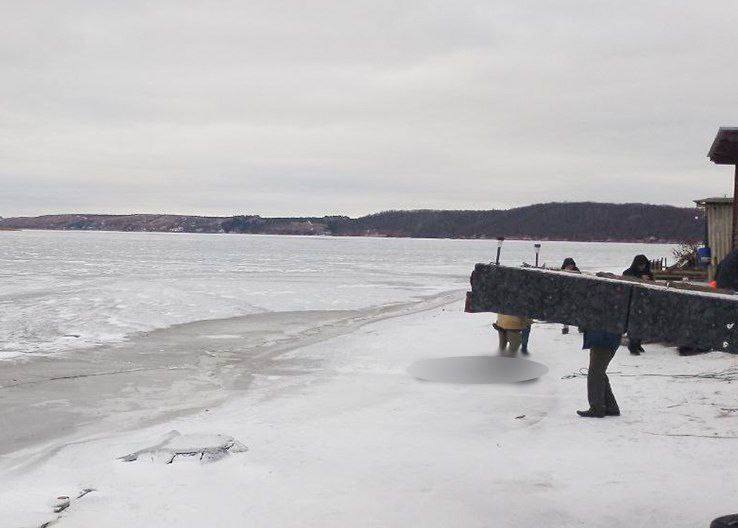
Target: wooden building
(724,151)
(719,231)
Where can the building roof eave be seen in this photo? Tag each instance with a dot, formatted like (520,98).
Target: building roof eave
(724,200)
(724,148)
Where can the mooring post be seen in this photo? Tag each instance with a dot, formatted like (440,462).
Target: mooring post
(500,240)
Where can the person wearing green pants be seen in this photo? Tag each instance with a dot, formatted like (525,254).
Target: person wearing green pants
(602,347)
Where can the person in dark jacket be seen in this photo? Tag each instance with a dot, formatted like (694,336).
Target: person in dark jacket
(726,275)
(568,265)
(640,269)
(602,347)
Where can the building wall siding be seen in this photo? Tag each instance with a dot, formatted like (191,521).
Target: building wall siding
(720,232)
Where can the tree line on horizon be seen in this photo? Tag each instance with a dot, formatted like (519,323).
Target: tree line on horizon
(585,221)
(552,221)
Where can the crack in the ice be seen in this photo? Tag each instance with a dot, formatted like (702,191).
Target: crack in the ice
(90,375)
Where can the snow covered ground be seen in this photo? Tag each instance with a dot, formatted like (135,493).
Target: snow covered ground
(186,348)
(339,435)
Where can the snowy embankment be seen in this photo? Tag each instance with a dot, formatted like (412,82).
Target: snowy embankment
(339,435)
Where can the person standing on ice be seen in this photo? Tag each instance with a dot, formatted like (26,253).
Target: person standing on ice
(602,347)
(569,265)
(524,337)
(640,269)
(509,330)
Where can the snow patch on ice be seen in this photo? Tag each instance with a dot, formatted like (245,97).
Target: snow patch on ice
(176,446)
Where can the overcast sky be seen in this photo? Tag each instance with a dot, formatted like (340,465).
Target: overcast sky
(287,108)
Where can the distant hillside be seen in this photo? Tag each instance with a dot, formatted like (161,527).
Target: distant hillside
(169,224)
(585,221)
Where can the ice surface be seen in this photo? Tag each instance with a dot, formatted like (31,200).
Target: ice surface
(66,290)
(353,440)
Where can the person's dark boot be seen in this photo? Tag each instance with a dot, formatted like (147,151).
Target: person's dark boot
(524,351)
(591,413)
(635,347)
(612,412)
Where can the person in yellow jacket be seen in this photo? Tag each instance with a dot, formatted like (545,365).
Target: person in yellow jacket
(509,329)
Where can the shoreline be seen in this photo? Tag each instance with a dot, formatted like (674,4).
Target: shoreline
(373,236)
(180,369)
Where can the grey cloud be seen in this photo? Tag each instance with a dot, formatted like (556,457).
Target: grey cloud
(303,108)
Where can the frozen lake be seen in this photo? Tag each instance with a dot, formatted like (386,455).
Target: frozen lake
(298,348)
(69,290)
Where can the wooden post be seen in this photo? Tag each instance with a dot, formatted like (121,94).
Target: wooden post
(735,210)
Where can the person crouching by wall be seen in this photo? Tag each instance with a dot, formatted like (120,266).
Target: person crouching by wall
(602,347)
(726,275)
(569,265)
(510,329)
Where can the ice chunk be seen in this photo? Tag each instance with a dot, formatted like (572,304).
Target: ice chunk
(204,447)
